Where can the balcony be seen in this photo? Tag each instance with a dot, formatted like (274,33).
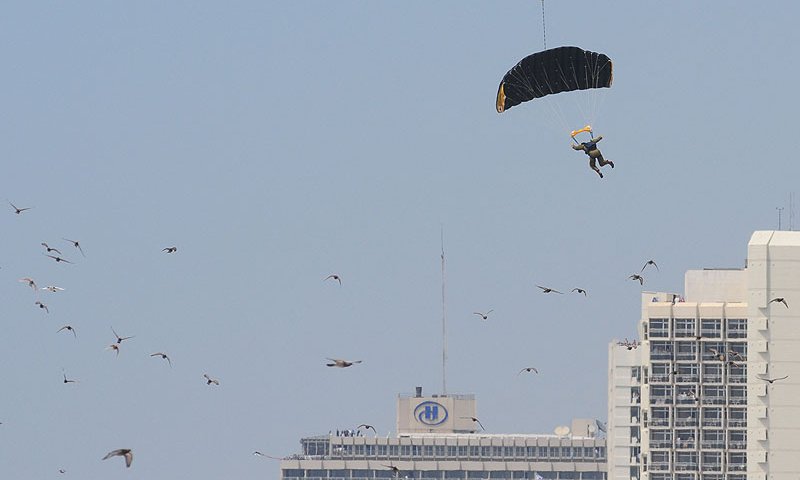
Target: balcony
(711,467)
(713,444)
(685,466)
(685,444)
(659,422)
(737,423)
(737,378)
(737,467)
(661,400)
(686,422)
(687,378)
(685,333)
(712,378)
(660,443)
(737,400)
(737,444)
(713,400)
(712,422)
(659,466)
(686,356)
(660,355)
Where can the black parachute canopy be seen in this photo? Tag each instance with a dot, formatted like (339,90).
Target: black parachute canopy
(561,69)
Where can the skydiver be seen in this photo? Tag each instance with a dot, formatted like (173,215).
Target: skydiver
(590,148)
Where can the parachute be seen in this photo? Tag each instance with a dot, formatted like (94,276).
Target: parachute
(557,70)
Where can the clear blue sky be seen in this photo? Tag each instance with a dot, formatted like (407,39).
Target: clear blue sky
(275,143)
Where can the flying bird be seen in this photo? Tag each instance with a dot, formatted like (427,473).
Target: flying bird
(42,305)
(773,380)
(779,300)
(114,347)
(170,249)
(579,290)
(548,290)
(57,259)
(53,288)
(367,427)
(19,210)
(341,363)
(162,355)
(259,454)
(719,355)
(649,262)
(120,339)
(69,328)
(49,249)
(210,380)
(334,277)
(476,421)
(122,452)
(483,315)
(67,380)
(75,244)
(636,276)
(528,369)
(29,281)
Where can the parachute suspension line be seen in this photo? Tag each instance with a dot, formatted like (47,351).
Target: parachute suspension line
(544,27)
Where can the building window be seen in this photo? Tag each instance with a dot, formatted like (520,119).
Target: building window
(686,417)
(661,395)
(486,452)
(685,439)
(737,461)
(687,373)
(686,351)
(659,417)
(439,449)
(712,461)
(660,350)
(712,373)
(737,328)
(712,417)
(737,417)
(713,395)
(660,438)
(711,328)
(659,461)
(659,328)
(737,395)
(686,461)
(660,372)
(462,451)
(685,327)
(737,439)
(714,439)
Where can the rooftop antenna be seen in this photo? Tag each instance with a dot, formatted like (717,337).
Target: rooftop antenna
(791,211)
(779,209)
(444,324)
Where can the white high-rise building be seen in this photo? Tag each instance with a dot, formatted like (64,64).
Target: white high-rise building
(704,396)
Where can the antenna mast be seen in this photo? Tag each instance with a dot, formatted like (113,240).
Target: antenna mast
(444,324)
(779,209)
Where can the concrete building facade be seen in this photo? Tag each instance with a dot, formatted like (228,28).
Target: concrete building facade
(694,401)
(437,440)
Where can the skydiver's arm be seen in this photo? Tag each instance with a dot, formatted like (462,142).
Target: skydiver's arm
(577,147)
(595,140)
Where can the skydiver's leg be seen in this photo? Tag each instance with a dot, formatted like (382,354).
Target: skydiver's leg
(603,161)
(594,166)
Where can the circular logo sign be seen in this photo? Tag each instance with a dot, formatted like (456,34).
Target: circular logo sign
(430,413)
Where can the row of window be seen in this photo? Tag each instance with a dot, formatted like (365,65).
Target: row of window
(697,373)
(707,416)
(706,395)
(528,453)
(705,461)
(708,439)
(695,476)
(692,351)
(300,474)
(687,327)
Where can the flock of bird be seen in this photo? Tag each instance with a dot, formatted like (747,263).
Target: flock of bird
(58,256)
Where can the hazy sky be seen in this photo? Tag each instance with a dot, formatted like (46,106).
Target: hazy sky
(275,143)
